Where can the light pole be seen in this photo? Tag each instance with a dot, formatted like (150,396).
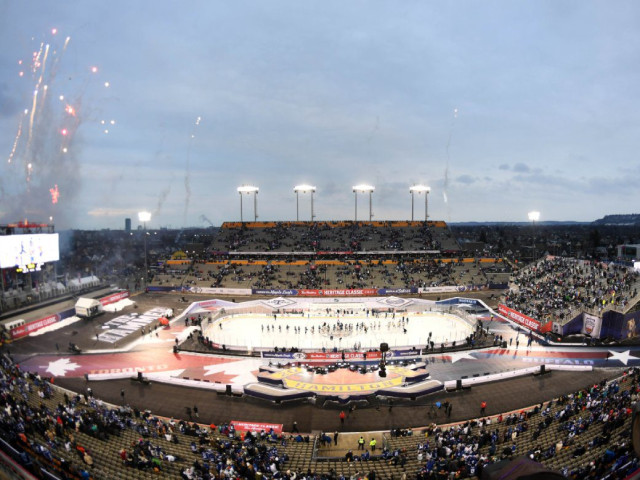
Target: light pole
(249,189)
(533,217)
(304,189)
(420,189)
(145,217)
(362,188)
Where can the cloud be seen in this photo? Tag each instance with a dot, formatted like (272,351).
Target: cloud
(521,167)
(466,179)
(111,212)
(504,166)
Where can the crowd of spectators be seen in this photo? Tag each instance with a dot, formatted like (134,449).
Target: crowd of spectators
(334,237)
(408,272)
(53,435)
(463,450)
(558,289)
(54,430)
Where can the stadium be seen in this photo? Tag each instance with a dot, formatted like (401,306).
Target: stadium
(318,350)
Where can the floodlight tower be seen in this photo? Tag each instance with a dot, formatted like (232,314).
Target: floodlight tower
(533,217)
(249,189)
(304,189)
(145,217)
(362,188)
(420,189)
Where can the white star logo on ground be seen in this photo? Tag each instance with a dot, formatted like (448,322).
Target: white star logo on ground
(459,356)
(241,370)
(623,357)
(60,367)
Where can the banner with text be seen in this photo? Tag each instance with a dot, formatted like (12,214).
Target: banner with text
(591,325)
(458,301)
(396,291)
(256,426)
(114,297)
(278,292)
(520,318)
(24,330)
(337,356)
(357,292)
(219,291)
(444,289)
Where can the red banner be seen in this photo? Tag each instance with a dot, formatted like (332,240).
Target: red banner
(256,426)
(25,330)
(114,297)
(337,356)
(519,318)
(309,293)
(338,293)
(546,327)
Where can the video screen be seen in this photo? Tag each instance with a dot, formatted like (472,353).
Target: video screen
(28,252)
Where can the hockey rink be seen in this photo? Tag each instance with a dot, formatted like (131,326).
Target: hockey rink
(350,331)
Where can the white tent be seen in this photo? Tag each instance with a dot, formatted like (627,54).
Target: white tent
(88,307)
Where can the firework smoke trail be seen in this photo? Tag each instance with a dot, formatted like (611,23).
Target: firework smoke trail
(56,61)
(161,199)
(203,218)
(45,87)
(34,106)
(34,69)
(18,135)
(187,176)
(446,170)
(52,166)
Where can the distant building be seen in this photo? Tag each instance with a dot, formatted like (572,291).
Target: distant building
(629,252)
(127,225)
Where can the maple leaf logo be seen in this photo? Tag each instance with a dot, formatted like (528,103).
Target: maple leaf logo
(238,372)
(60,367)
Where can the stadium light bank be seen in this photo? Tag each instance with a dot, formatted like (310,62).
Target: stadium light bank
(362,188)
(304,189)
(420,189)
(533,218)
(249,189)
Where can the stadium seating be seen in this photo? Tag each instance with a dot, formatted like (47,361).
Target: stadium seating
(63,426)
(558,289)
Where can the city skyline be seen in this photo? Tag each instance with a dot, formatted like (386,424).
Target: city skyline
(108,109)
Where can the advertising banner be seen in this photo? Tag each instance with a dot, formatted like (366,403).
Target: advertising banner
(403,353)
(458,301)
(356,292)
(337,356)
(396,291)
(299,356)
(444,289)
(520,318)
(220,291)
(274,291)
(306,292)
(349,293)
(113,298)
(591,325)
(26,329)
(256,426)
